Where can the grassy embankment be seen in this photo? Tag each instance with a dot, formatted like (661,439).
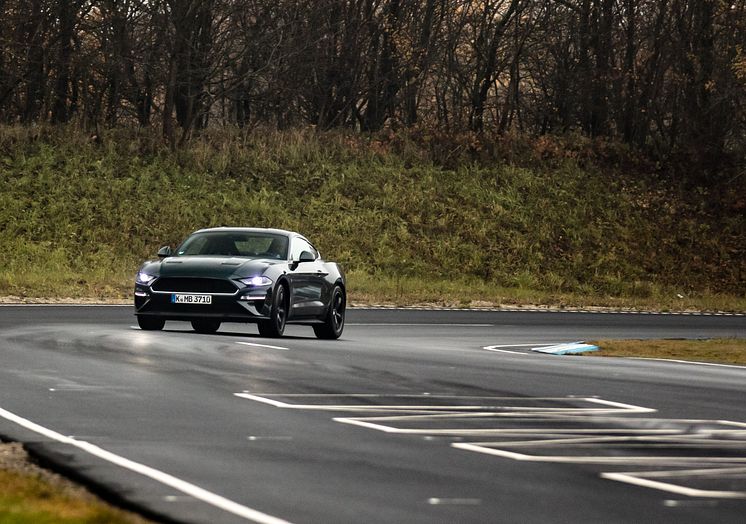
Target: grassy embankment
(532,223)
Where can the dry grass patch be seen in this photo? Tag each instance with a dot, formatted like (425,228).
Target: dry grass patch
(717,350)
(32,495)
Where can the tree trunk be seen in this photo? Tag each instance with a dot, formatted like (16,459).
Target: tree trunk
(67,11)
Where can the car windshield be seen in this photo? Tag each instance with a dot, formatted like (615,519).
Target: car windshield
(235,244)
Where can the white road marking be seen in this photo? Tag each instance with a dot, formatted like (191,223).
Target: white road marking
(410,324)
(672,488)
(196,492)
(63,305)
(516,427)
(485,448)
(456,409)
(506,351)
(689,362)
(629,408)
(357,407)
(262,346)
(566,349)
(437,501)
(534,344)
(498,348)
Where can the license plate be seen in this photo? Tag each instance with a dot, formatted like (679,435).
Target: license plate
(178,298)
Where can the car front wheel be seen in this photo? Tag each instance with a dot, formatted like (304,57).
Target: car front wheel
(207,327)
(334,322)
(275,326)
(150,323)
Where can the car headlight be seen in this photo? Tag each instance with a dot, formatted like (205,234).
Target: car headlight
(144,278)
(256,281)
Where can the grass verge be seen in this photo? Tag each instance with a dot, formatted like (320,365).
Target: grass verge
(717,350)
(78,218)
(368,289)
(32,495)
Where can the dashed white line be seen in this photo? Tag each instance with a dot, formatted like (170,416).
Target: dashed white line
(252,344)
(417,324)
(437,501)
(192,490)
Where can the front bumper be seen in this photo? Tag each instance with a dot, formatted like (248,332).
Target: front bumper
(246,305)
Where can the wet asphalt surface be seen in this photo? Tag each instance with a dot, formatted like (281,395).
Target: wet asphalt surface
(407,418)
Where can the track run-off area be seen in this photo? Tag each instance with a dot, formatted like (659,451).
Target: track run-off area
(412,416)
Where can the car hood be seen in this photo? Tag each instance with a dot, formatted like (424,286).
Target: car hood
(212,267)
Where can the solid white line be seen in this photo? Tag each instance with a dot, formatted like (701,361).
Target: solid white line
(361,408)
(64,305)
(535,344)
(506,351)
(673,488)
(159,476)
(630,407)
(708,473)
(262,346)
(483,447)
(689,362)
(411,324)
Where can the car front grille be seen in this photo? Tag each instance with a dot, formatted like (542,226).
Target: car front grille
(193,285)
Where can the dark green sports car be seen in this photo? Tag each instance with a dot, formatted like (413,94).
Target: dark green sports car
(267,276)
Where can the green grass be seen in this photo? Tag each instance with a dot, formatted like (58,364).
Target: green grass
(475,292)
(721,350)
(78,217)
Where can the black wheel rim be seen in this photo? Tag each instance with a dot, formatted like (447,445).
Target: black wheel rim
(338,310)
(280,312)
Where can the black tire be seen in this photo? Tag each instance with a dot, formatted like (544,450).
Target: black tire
(334,322)
(150,323)
(207,327)
(275,326)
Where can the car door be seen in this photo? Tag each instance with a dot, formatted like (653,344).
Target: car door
(307,281)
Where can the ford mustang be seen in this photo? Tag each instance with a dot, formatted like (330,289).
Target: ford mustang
(266,276)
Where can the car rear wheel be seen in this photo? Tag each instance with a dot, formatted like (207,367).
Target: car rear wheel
(275,326)
(334,322)
(207,327)
(150,323)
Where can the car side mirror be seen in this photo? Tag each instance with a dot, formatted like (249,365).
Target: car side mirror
(306,256)
(164,252)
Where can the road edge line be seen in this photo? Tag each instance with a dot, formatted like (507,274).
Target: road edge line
(187,488)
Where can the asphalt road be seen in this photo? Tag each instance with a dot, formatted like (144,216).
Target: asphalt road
(407,418)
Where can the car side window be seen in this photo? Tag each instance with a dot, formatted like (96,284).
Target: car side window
(299,246)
